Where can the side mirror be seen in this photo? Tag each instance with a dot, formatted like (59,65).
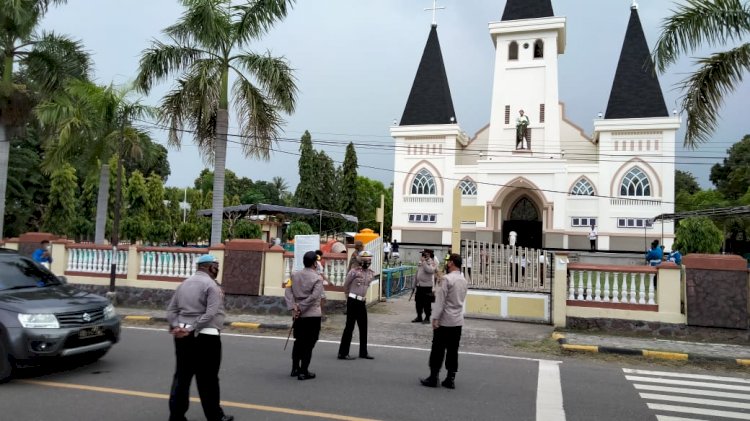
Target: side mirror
(63,279)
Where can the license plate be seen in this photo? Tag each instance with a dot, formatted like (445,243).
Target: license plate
(91,332)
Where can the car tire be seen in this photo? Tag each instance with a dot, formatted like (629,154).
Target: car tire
(6,367)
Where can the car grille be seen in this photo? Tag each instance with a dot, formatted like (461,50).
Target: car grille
(80,318)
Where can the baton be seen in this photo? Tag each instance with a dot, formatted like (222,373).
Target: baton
(290,334)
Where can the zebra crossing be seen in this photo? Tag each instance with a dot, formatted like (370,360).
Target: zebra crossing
(692,397)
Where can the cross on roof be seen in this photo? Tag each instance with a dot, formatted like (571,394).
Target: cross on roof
(434,10)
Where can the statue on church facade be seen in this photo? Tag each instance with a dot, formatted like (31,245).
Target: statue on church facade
(522,123)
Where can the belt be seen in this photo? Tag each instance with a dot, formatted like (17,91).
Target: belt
(356,297)
(209,331)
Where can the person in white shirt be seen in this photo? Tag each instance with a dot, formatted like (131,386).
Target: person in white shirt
(469,263)
(386,250)
(592,237)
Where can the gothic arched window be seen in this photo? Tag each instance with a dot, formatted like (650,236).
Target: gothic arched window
(538,49)
(582,188)
(524,210)
(635,183)
(513,51)
(424,183)
(468,187)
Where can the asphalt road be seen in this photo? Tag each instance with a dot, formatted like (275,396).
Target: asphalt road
(132,381)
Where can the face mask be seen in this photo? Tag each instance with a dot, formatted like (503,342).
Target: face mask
(365,265)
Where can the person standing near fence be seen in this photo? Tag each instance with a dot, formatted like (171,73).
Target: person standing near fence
(386,251)
(447,322)
(423,283)
(303,297)
(354,261)
(357,282)
(593,235)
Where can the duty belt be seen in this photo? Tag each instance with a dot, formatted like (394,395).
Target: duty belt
(356,297)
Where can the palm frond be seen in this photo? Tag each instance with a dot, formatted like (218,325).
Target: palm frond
(257,17)
(697,22)
(206,23)
(258,118)
(162,60)
(53,59)
(274,76)
(717,76)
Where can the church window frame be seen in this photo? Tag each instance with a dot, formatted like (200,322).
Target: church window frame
(635,183)
(539,49)
(513,51)
(468,187)
(583,187)
(424,183)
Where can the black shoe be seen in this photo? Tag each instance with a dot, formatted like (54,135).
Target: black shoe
(306,376)
(295,372)
(227,418)
(425,321)
(367,357)
(449,383)
(417,320)
(429,382)
(346,357)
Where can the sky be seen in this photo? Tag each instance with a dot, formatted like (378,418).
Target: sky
(355,61)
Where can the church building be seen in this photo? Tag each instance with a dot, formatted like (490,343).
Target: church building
(534,171)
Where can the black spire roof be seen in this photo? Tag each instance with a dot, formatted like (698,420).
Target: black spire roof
(430,99)
(636,92)
(527,9)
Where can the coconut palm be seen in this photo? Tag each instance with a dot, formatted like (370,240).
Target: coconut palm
(715,23)
(206,46)
(90,124)
(46,61)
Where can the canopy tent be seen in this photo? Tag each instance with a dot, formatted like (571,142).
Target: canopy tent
(264,209)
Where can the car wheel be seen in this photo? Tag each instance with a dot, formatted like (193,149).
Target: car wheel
(6,368)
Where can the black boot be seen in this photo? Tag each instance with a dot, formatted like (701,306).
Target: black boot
(450,380)
(431,381)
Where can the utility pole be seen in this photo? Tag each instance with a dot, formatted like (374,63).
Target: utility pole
(112,295)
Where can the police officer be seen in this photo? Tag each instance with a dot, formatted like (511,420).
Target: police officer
(196,317)
(447,321)
(425,280)
(303,298)
(355,288)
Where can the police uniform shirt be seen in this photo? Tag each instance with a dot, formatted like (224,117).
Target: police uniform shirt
(358,280)
(306,290)
(450,295)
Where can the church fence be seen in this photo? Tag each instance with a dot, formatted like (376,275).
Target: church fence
(506,268)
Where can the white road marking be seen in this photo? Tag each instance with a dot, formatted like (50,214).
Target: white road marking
(694,401)
(409,348)
(699,411)
(688,383)
(668,418)
(549,398)
(686,375)
(686,391)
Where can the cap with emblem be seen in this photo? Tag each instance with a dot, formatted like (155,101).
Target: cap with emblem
(205,259)
(365,254)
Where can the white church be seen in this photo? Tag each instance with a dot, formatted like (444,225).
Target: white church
(545,178)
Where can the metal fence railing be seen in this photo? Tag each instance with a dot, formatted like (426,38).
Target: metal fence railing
(504,267)
(398,280)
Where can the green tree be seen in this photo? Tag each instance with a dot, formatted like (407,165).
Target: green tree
(298,228)
(202,50)
(732,177)
(305,196)
(247,230)
(155,197)
(684,181)
(698,235)
(717,23)
(46,60)
(158,232)
(137,199)
(60,216)
(703,199)
(157,162)
(188,233)
(368,201)
(28,188)
(348,182)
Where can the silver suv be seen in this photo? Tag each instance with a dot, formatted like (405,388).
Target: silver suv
(42,318)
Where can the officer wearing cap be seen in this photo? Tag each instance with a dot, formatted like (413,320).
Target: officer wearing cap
(196,317)
(303,298)
(355,288)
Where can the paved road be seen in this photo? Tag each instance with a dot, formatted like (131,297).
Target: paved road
(130,383)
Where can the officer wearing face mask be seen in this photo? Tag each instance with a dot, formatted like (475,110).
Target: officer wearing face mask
(355,288)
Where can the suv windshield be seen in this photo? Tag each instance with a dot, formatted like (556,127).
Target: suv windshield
(18,272)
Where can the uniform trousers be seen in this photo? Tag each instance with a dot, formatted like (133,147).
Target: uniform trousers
(200,356)
(423,301)
(356,312)
(445,341)
(306,333)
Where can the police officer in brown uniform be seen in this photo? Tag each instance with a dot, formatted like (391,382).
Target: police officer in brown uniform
(303,298)
(355,288)
(447,321)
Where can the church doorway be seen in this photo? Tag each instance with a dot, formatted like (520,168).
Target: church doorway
(525,219)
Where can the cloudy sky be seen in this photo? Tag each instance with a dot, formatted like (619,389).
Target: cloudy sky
(355,61)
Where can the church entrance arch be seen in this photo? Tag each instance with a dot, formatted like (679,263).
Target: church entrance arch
(525,218)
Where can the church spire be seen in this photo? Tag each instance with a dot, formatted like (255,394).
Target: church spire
(636,92)
(430,100)
(527,9)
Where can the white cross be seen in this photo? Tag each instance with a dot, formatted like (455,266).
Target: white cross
(434,10)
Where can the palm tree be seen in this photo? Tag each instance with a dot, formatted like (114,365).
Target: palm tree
(206,46)
(280,184)
(46,60)
(716,23)
(91,123)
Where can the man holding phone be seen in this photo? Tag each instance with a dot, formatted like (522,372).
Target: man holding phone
(424,283)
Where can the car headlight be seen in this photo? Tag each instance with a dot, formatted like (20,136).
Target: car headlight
(109,312)
(39,321)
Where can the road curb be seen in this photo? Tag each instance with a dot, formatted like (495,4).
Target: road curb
(241,325)
(565,345)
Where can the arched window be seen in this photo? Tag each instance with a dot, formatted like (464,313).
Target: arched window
(424,183)
(538,49)
(582,188)
(524,210)
(635,183)
(468,187)
(513,51)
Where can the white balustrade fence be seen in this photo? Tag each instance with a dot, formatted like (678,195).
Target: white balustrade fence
(177,264)
(612,286)
(504,267)
(334,269)
(376,248)
(96,260)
